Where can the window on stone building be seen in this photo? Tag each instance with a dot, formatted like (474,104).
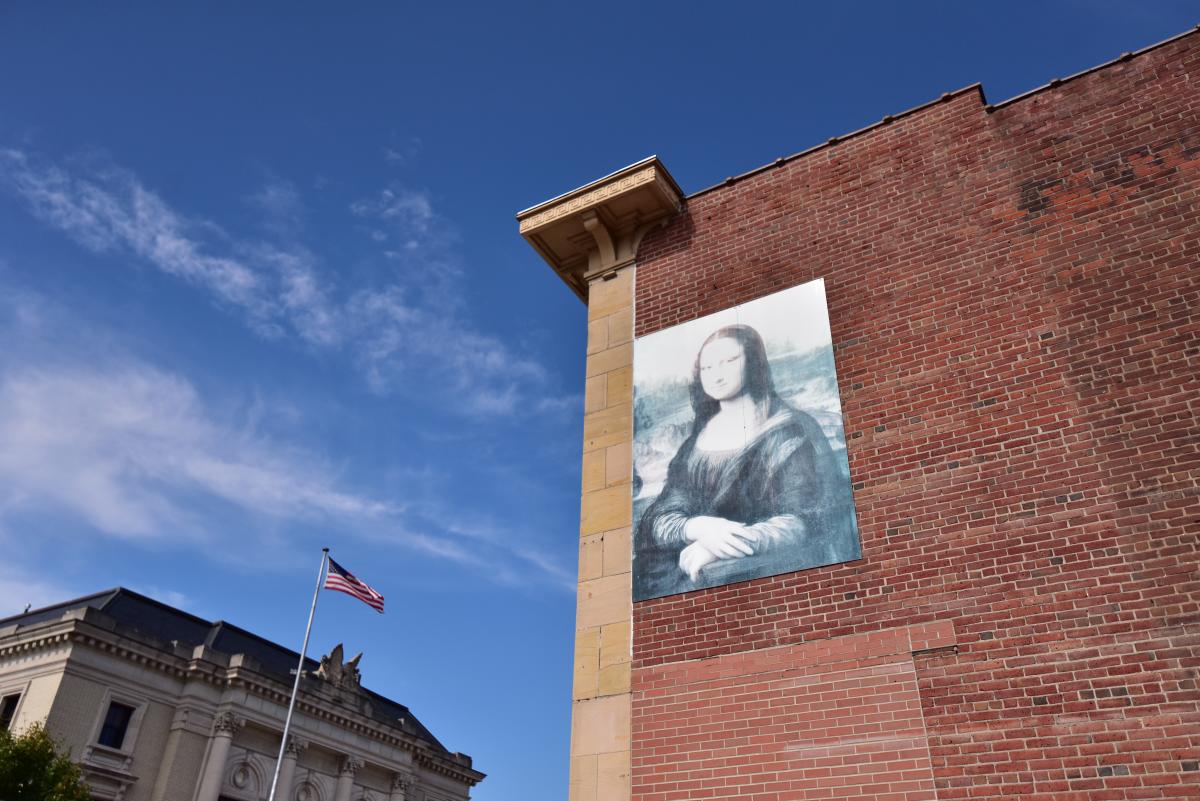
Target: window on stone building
(8,709)
(116,722)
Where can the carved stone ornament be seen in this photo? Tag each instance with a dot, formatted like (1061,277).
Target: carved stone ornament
(227,723)
(296,748)
(338,673)
(595,230)
(403,782)
(350,766)
(241,776)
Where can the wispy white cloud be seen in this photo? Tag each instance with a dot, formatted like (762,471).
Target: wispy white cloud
(168,596)
(281,206)
(564,578)
(401,151)
(134,452)
(113,210)
(19,591)
(564,404)
(411,325)
(126,446)
(408,211)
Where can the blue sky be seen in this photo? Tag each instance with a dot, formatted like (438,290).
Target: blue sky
(261,291)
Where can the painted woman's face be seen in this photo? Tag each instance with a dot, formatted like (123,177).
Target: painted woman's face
(722,369)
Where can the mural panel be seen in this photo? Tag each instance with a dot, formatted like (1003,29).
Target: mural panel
(740,467)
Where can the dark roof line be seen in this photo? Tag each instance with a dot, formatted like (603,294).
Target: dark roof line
(74,602)
(217,626)
(1126,56)
(989,107)
(214,626)
(271,658)
(833,140)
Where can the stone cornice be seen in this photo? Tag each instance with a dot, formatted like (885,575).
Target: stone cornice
(316,708)
(198,666)
(595,229)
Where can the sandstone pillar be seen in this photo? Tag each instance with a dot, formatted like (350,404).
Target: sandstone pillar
(590,236)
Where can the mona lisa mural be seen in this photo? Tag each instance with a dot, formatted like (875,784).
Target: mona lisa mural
(739,455)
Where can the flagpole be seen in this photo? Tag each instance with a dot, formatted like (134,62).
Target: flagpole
(287,722)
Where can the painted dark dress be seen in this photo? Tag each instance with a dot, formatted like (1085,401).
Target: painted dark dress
(785,483)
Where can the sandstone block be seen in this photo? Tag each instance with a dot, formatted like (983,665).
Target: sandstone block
(619,387)
(611,359)
(604,600)
(595,394)
(598,335)
(618,551)
(605,509)
(607,297)
(600,725)
(617,467)
(613,776)
(587,663)
(608,427)
(591,557)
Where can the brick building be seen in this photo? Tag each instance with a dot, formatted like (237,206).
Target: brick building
(1012,290)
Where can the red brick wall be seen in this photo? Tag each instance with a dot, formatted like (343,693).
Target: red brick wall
(837,719)
(1015,303)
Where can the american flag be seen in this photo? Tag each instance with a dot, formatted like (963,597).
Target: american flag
(340,579)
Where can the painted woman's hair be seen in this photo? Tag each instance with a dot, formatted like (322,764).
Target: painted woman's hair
(757,372)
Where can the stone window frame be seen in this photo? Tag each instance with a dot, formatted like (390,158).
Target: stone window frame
(120,696)
(21,690)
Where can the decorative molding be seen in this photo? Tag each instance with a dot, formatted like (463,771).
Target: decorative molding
(339,673)
(241,776)
(78,631)
(227,723)
(350,766)
(295,748)
(589,199)
(246,775)
(595,230)
(108,771)
(308,790)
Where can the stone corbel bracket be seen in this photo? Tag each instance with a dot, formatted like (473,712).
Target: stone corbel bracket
(596,229)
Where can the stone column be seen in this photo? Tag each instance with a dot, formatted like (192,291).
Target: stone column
(287,769)
(345,783)
(402,784)
(600,731)
(224,727)
(590,236)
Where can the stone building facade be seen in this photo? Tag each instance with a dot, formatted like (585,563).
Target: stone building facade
(156,704)
(1014,295)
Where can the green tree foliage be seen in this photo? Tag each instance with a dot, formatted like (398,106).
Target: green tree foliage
(31,769)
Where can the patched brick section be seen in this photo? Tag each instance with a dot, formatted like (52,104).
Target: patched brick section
(1015,303)
(836,719)
(931,636)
